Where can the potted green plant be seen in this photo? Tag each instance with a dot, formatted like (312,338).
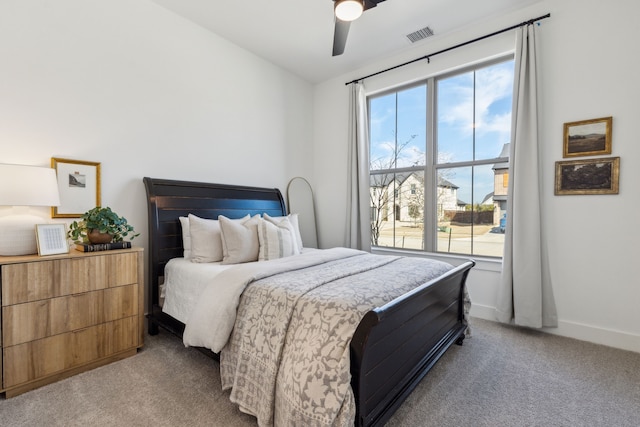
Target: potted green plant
(100,225)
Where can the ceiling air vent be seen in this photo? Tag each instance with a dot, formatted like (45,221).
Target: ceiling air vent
(421,34)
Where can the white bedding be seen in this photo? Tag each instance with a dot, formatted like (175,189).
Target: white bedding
(184,282)
(218,302)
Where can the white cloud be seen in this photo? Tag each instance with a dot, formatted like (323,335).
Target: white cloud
(492,84)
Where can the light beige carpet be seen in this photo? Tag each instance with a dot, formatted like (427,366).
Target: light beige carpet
(502,376)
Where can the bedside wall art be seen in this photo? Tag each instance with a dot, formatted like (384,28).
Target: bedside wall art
(587,176)
(587,137)
(79,185)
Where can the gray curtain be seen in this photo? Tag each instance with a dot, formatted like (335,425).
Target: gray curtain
(358,232)
(525,296)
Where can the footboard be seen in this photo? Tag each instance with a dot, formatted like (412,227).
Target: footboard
(395,345)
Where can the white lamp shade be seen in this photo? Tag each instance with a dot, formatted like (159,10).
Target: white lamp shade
(18,234)
(348,10)
(22,185)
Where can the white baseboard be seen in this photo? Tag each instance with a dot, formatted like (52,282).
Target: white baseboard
(483,312)
(594,334)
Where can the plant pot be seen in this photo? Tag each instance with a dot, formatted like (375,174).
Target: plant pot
(96,236)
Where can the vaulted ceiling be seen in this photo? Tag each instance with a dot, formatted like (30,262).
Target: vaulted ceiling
(298,34)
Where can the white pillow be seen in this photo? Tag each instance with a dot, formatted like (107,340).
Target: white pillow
(206,240)
(276,240)
(186,237)
(293,220)
(239,239)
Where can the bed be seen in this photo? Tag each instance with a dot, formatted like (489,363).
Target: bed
(393,346)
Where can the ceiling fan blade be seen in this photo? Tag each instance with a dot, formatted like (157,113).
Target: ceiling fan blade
(340,33)
(368,4)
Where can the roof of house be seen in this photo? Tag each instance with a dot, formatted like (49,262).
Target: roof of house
(384,179)
(488,199)
(503,153)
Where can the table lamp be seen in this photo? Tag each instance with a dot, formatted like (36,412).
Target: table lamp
(22,186)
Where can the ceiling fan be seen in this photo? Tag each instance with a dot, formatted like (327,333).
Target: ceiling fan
(345,12)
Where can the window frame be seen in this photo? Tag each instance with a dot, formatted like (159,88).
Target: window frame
(431,167)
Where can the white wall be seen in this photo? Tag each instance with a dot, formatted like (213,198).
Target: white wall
(146,93)
(588,70)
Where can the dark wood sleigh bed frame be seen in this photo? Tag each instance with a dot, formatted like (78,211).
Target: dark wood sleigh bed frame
(393,347)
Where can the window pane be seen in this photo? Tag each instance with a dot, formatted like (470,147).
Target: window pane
(398,134)
(471,224)
(488,239)
(382,131)
(474,113)
(397,210)
(453,195)
(455,118)
(412,126)
(494,94)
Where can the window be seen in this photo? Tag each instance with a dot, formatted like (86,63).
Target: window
(440,161)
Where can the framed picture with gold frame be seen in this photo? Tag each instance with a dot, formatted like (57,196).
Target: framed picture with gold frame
(79,186)
(588,176)
(587,137)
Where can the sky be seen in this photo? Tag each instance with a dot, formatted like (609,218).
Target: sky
(473,119)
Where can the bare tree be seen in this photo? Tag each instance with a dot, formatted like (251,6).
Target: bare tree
(416,202)
(382,187)
(390,198)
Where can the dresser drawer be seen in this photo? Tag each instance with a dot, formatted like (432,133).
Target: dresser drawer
(48,356)
(33,281)
(39,319)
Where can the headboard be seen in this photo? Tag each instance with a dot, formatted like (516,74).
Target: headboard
(167,200)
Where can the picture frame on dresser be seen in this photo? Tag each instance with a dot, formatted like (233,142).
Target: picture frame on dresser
(51,239)
(79,187)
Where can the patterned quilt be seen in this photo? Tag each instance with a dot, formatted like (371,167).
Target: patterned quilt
(287,361)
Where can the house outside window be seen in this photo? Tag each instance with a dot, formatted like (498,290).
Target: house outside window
(439,162)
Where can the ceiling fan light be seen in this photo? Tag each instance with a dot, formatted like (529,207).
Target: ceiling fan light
(348,10)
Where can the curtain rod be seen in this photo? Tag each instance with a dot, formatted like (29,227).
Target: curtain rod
(427,57)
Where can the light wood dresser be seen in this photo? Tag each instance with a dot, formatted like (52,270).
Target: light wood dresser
(65,314)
